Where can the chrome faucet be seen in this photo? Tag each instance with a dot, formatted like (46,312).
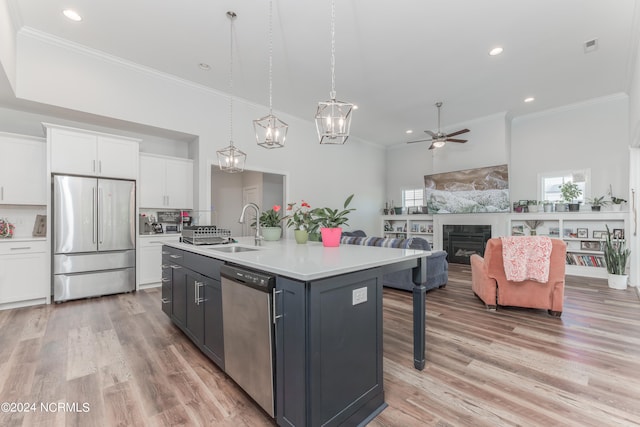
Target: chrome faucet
(258,237)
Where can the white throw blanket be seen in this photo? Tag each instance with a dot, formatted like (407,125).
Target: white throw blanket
(526,258)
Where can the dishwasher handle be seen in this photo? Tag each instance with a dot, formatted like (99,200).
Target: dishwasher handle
(258,280)
(275,305)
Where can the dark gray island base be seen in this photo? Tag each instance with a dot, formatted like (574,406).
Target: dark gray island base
(327,329)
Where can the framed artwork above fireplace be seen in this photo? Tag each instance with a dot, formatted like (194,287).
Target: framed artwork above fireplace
(468,191)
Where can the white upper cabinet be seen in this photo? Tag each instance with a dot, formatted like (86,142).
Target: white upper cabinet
(78,152)
(165,182)
(22,170)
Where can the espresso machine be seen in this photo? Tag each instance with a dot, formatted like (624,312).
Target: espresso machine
(146,224)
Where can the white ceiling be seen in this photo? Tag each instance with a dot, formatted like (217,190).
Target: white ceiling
(395,60)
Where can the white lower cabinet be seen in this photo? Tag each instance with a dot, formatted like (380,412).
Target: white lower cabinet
(24,273)
(150,258)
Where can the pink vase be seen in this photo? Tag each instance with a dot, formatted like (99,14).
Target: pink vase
(331,236)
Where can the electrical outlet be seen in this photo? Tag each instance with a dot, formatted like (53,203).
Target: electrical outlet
(359,296)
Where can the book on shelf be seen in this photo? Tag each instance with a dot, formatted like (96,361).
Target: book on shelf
(585,260)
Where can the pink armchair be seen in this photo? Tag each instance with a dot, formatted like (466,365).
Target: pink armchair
(490,284)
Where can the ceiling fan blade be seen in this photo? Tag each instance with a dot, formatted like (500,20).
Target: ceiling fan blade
(461,131)
(419,140)
(431,147)
(431,133)
(455,140)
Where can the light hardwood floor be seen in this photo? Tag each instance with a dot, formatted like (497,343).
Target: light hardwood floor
(118,361)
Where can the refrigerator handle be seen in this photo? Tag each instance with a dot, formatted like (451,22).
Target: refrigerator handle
(100,222)
(95,224)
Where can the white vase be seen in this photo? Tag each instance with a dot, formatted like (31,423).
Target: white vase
(618,281)
(533,208)
(616,207)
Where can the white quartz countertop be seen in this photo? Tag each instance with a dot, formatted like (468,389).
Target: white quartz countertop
(308,261)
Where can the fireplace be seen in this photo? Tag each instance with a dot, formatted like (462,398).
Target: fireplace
(462,241)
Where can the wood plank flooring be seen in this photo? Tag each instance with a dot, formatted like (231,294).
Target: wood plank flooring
(118,361)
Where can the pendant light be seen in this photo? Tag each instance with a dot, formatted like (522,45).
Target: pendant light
(333,118)
(270,131)
(231,159)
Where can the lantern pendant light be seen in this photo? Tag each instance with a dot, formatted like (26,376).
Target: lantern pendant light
(333,118)
(230,158)
(270,131)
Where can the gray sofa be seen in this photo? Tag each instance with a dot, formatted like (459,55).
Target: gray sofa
(437,266)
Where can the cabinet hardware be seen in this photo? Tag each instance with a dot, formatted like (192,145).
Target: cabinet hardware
(165,252)
(100,166)
(165,300)
(275,316)
(21,248)
(175,266)
(93,165)
(1,193)
(164,266)
(175,256)
(165,280)
(197,285)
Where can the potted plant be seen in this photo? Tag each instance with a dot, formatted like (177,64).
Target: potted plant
(300,219)
(532,205)
(6,228)
(615,258)
(597,202)
(270,222)
(570,193)
(331,222)
(547,206)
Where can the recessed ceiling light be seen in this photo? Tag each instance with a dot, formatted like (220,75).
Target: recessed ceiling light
(72,14)
(408,131)
(204,66)
(529,99)
(496,51)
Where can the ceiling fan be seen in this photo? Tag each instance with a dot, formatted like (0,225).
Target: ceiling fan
(439,139)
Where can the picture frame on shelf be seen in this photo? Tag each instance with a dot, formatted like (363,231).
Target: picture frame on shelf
(582,233)
(590,245)
(618,233)
(517,230)
(568,232)
(40,226)
(599,234)
(554,232)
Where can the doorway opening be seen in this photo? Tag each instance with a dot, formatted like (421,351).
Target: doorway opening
(230,192)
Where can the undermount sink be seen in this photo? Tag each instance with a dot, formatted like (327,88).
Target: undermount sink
(233,249)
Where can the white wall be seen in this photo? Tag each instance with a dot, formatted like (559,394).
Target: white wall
(591,135)
(103,86)
(407,164)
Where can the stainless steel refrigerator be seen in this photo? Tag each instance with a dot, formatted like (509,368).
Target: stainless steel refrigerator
(93,237)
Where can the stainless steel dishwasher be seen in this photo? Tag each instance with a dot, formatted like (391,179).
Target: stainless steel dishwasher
(248,332)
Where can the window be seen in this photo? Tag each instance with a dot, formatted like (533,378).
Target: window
(411,198)
(549,184)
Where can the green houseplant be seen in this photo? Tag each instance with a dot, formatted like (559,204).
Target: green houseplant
(597,202)
(331,221)
(615,258)
(616,202)
(570,193)
(300,219)
(271,221)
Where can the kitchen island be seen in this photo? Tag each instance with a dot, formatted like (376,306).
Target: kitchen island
(327,315)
